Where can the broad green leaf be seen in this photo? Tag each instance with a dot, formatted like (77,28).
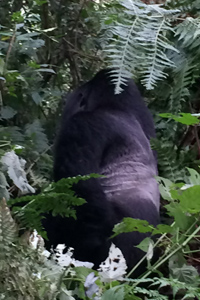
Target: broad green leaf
(2,64)
(186,273)
(130,224)
(7,112)
(182,220)
(190,199)
(27,36)
(194,176)
(33,64)
(17,17)
(114,294)
(184,118)
(144,245)
(40,2)
(6,34)
(165,186)
(46,70)
(49,29)
(36,97)
(20,25)
(161,229)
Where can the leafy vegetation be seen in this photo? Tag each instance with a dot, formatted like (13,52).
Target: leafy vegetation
(48,48)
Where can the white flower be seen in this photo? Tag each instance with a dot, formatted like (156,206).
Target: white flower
(15,168)
(186,186)
(64,260)
(46,253)
(36,241)
(38,275)
(150,250)
(114,267)
(91,288)
(78,263)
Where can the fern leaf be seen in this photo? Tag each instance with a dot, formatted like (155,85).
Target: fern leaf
(189,32)
(185,6)
(8,231)
(12,133)
(35,133)
(139,45)
(169,166)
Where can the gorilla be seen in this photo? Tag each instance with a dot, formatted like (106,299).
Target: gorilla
(109,134)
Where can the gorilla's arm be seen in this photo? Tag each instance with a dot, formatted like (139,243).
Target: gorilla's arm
(79,149)
(79,146)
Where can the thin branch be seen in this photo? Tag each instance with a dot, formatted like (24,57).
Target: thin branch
(10,49)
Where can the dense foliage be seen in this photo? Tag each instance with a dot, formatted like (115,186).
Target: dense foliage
(46,49)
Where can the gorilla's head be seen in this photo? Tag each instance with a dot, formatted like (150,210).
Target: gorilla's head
(100,93)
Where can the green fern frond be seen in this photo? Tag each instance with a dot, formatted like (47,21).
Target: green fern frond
(19,264)
(58,198)
(153,67)
(4,193)
(183,78)
(12,133)
(37,180)
(35,133)
(169,166)
(185,6)
(8,229)
(140,45)
(188,33)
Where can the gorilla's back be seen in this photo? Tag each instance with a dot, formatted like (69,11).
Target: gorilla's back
(128,160)
(110,135)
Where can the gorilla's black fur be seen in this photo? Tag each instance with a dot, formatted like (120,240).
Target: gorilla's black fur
(106,134)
